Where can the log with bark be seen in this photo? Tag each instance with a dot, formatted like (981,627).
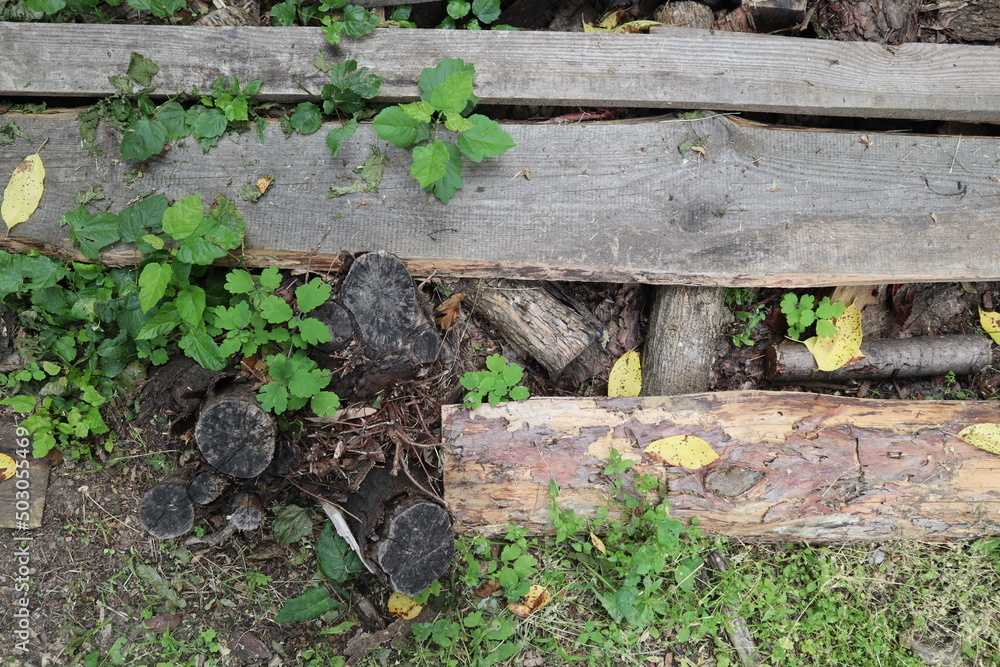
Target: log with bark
(923,356)
(793,466)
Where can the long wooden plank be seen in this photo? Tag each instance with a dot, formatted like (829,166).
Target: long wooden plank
(604,202)
(793,466)
(678,68)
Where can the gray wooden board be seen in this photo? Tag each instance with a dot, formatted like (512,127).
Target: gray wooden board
(676,68)
(605,202)
(29,489)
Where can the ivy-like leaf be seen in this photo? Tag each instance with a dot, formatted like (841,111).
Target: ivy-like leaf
(337,561)
(393,125)
(488,11)
(358,21)
(306,383)
(431,77)
(306,118)
(452,95)
(419,111)
(485,139)
(141,69)
(336,137)
(458,8)
(183,217)
(92,233)
(429,162)
(270,278)
(144,138)
(210,124)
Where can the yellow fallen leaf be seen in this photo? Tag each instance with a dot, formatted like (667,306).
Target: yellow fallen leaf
(832,353)
(683,451)
(984,436)
(263,183)
(404,607)
(537,597)
(598,543)
(7,467)
(624,28)
(23,191)
(625,378)
(991,324)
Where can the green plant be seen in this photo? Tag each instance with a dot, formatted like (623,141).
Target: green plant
(161,9)
(484,11)
(446,100)
(336,16)
(738,298)
(499,381)
(336,563)
(803,312)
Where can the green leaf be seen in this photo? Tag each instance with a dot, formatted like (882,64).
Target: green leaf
(224,224)
(239,281)
(172,115)
(291,524)
(519,394)
(512,374)
(273,397)
(21,404)
(46,7)
(456,123)
(488,11)
(284,13)
(429,162)
(306,118)
(199,251)
(431,77)
(210,123)
(826,329)
(336,137)
(153,282)
(393,125)
(312,295)
(312,604)
(141,69)
(419,111)
(234,317)
(236,109)
(446,187)
(270,278)
(485,139)
(358,21)
(308,383)
(161,9)
(137,219)
(143,138)
(496,363)
(324,403)
(92,233)
(274,309)
(190,303)
(199,346)
(337,561)
(452,95)
(163,322)
(458,8)
(827,310)
(312,331)
(183,217)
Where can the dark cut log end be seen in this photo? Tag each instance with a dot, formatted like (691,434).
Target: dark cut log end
(339,321)
(206,487)
(166,510)
(417,546)
(234,434)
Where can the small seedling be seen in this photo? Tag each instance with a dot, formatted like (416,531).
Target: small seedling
(738,299)
(498,382)
(484,12)
(803,312)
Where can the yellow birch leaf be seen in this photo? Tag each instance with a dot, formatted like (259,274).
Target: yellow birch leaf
(598,543)
(991,324)
(610,20)
(683,451)
(23,191)
(984,436)
(404,607)
(832,353)
(625,378)
(7,467)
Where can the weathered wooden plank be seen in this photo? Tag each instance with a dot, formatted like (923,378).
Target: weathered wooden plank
(793,466)
(23,480)
(604,202)
(676,68)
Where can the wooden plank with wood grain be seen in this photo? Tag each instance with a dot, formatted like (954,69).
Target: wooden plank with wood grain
(605,202)
(793,466)
(674,68)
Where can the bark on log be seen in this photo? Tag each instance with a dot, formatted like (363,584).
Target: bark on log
(976,21)
(234,434)
(793,466)
(924,356)
(247,512)
(684,327)
(535,322)
(405,533)
(166,510)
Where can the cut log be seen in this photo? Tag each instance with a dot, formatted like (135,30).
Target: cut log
(923,356)
(793,466)
(684,329)
(405,533)
(166,511)
(535,322)
(775,15)
(247,512)
(689,220)
(234,434)
(206,487)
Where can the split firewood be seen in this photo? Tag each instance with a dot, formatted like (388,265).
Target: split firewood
(923,356)
(166,510)
(401,530)
(234,434)
(538,324)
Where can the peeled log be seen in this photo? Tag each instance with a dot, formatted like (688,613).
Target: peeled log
(923,356)
(234,434)
(793,466)
(166,510)
(399,528)
(247,512)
